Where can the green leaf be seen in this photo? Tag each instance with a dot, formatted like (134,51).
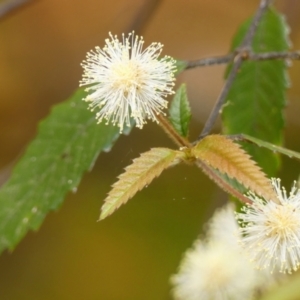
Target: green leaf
(269,146)
(67,144)
(257,97)
(138,175)
(180,111)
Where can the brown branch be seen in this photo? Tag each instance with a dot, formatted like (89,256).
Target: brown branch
(225,59)
(274,55)
(10,6)
(221,99)
(238,60)
(204,62)
(247,41)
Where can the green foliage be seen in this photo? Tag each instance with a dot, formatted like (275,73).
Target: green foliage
(138,175)
(256,100)
(67,144)
(180,111)
(269,146)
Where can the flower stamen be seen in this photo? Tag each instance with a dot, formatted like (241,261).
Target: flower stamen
(272,231)
(128,82)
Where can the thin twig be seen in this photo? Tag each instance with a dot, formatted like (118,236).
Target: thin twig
(221,99)
(274,55)
(240,53)
(225,59)
(247,41)
(218,60)
(10,6)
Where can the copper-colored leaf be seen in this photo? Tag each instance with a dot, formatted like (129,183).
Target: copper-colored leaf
(226,156)
(138,175)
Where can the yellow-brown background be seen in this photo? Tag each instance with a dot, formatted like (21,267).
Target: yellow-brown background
(132,254)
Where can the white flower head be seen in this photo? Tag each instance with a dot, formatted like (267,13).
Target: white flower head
(216,268)
(272,230)
(128,81)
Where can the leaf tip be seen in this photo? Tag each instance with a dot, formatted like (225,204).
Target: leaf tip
(105,212)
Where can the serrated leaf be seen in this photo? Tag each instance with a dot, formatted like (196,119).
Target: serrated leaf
(180,111)
(138,175)
(222,154)
(256,99)
(68,142)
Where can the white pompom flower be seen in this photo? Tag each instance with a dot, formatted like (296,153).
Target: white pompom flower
(127,81)
(271,230)
(216,268)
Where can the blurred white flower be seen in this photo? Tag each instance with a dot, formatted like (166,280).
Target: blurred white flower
(272,230)
(127,81)
(216,268)
(223,226)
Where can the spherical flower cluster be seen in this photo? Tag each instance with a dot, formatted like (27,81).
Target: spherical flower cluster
(127,81)
(271,230)
(215,268)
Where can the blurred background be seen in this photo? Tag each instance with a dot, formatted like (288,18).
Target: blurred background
(132,254)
